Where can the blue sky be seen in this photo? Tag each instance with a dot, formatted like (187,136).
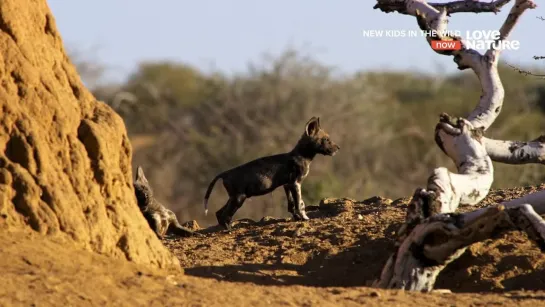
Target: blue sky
(226,35)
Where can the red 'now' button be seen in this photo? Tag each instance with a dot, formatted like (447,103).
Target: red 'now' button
(446,45)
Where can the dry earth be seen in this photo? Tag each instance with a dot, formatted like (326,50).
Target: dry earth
(347,243)
(327,261)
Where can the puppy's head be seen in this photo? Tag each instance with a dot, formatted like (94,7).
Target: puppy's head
(142,189)
(319,139)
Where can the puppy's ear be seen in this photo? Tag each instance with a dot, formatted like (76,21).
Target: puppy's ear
(313,125)
(140,177)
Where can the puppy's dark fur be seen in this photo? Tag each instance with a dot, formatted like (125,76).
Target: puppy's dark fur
(160,219)
(262,176)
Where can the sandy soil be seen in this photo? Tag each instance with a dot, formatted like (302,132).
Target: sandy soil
(327,261)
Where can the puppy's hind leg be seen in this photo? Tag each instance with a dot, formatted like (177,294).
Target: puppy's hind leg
(231,208)
(176,228)
(220,215)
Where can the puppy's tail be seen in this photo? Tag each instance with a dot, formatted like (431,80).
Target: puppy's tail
(207,195)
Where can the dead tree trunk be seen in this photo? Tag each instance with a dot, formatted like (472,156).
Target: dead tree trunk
(442,238)
(433,235)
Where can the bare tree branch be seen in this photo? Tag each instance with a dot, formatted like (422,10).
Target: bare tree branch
(435,21)
(535,57)
(536,200)
(463,141)
(462,6)
(443,238)
(432,235)
(463,144)
(516,152)
(526,72)
(485,67)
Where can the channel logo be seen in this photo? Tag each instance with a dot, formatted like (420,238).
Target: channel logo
(446,45)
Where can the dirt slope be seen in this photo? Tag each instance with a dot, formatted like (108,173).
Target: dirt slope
(349,249)
(65,159)
(323,262)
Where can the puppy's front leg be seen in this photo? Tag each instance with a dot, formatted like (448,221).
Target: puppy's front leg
(298,200)
(291,204)
(156,224)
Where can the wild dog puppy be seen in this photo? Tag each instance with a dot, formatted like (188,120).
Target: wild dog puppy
(264,175)
(160,219)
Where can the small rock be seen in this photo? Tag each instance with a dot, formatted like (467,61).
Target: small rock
(298,258)
(299,232)
(336,206)
(400,201)
(377,200)
(360,217)
(267,219)
(193,225)
(441,291)
(170,279)
(244,222)
(374,294)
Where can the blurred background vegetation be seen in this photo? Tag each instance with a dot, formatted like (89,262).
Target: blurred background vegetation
(186,126)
